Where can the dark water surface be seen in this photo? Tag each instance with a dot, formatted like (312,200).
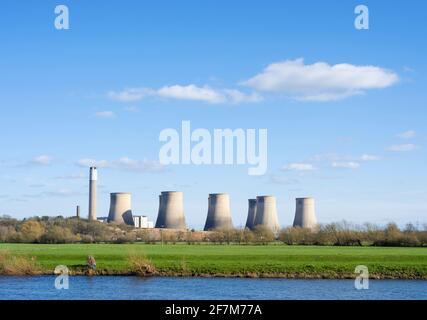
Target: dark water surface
(131,288)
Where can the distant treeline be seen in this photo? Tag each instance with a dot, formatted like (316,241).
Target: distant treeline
(51,230)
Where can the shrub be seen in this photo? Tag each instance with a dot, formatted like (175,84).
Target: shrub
(17,265)
(31,231)
(141,266)
(57,234)
(263,235)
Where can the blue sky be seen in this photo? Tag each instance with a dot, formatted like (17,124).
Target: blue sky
(354,137)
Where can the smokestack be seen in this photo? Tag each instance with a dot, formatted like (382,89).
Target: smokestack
(219,216)
(250,222)
(266,213)
(120,209)
(171,211)
(305,215)
(93,177)
(78,212)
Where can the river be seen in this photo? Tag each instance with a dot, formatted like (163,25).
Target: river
(158,288)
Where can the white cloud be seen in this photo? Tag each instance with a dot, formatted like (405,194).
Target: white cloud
(189,92)
(105,114)
(407,134)
(71,177)
(333,157)
(137,165)
(93,163)
(43,160)
(299,167)
(36,185)
(236,96)
(61,193)
(130,94)
(402,147)
(132,109)
(124,163)
(320,81)
(278,179)
(327,157)
(369,157)
(346,164)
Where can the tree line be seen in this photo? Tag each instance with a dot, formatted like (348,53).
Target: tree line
(52,230)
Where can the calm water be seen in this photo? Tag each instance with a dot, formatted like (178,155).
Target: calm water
(116,287)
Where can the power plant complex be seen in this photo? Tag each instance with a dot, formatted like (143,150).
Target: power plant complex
(262,211)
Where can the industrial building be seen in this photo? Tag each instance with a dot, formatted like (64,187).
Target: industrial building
(219,213)
(266,213)
(142,222)
(262,211)
(250,222)
(171,211)
(120,208)
(93,177)
(305,214)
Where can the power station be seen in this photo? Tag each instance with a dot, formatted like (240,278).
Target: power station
(262,211)
(250,222)
(171,211)
(219,214)
(93,177)
(120,209)
(305,215)
(266,213)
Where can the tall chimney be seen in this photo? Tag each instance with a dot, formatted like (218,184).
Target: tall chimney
(219,215)
(78,212)
(93,177)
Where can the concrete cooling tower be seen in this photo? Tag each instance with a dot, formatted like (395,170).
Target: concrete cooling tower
(160,215)
(120,209)
(305,215)
(93,177)
(219,216)
(171,211)
(266,213)
(250,222)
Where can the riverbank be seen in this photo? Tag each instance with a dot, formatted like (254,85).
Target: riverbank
(206,260)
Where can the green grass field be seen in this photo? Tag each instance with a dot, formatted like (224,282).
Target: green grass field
(234,260)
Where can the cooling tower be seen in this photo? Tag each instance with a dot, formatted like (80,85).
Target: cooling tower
(171,211)
(160,215)
(305,215)
(266,213)
(250,222)
(219,216)
(93,177)
(120,209)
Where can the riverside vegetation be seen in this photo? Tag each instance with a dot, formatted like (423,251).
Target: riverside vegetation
(38,245)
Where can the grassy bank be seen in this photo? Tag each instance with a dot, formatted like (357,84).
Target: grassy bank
(231,260)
